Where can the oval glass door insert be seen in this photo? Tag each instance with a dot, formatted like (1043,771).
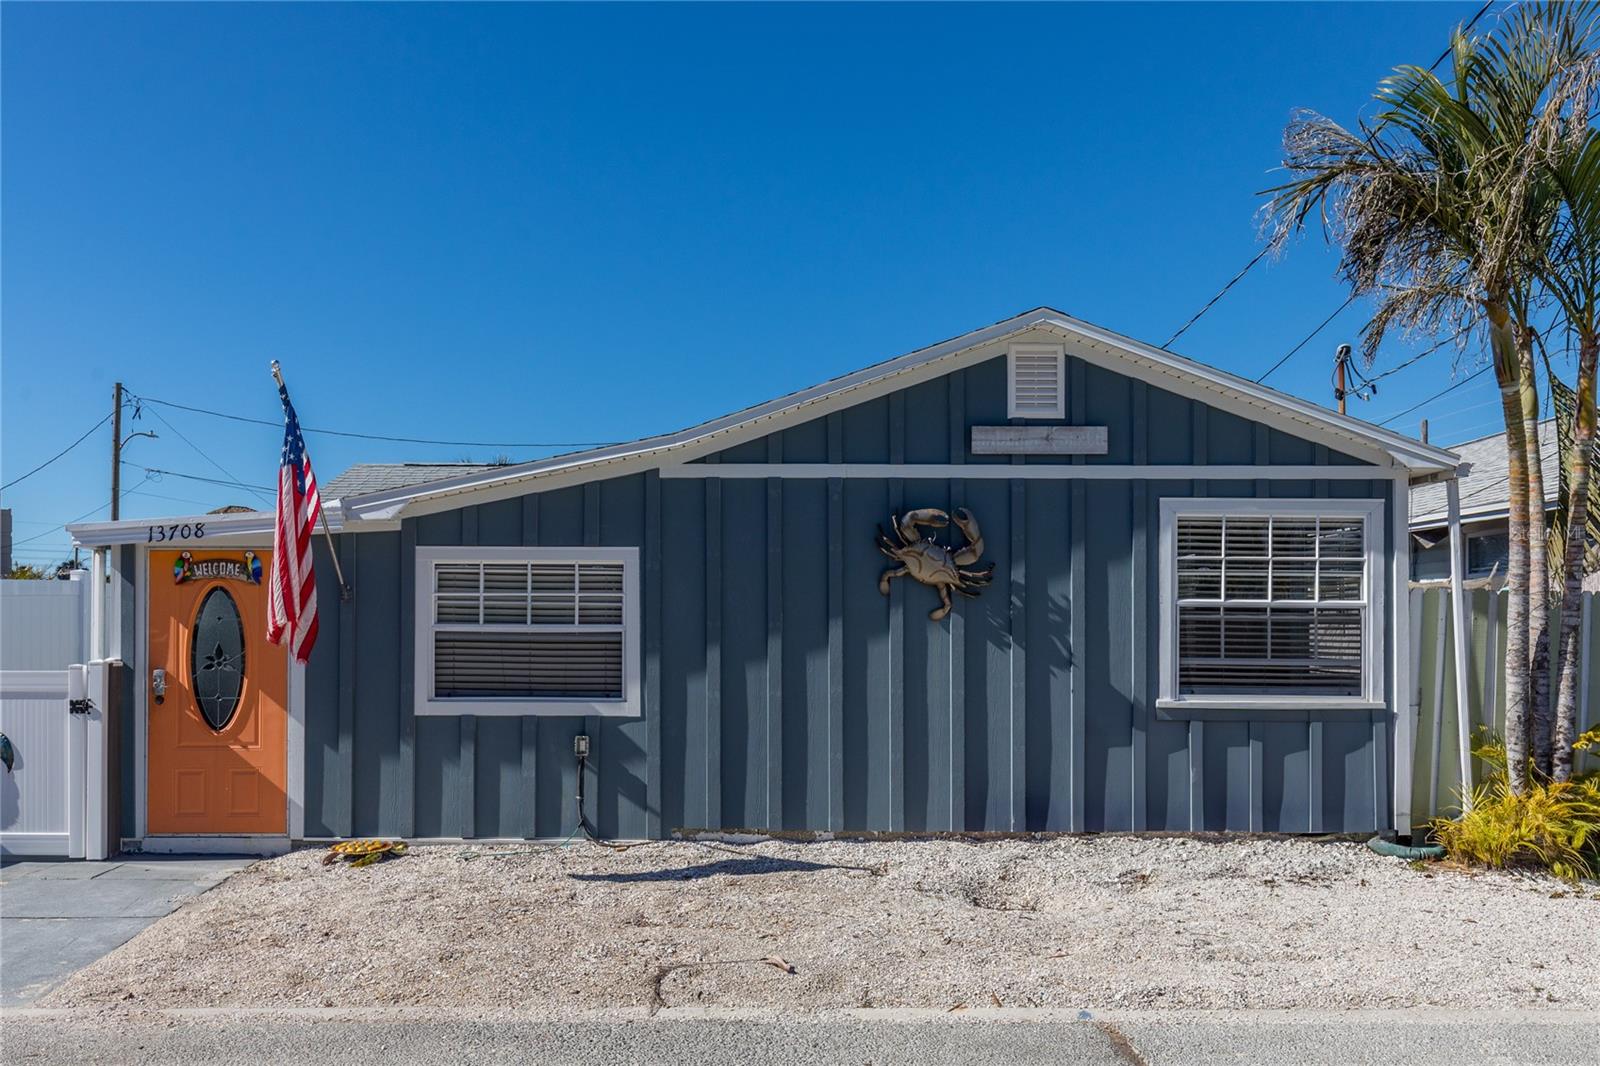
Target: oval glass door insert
(217,668)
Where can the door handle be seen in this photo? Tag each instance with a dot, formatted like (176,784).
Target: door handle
(158,683)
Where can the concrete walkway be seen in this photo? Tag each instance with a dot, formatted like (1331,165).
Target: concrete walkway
(56,917)
(1423,1037)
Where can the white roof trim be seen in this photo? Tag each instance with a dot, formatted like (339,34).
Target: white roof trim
(1090,341)
(1097,345)
(1388,451)
(254,525)
(1190,377)
(1439,519)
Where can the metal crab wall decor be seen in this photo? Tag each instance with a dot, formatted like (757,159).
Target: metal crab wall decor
(937,565)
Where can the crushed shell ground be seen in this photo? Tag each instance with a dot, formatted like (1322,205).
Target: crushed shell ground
(1074,922)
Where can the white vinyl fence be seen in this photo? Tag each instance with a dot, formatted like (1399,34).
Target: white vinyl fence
(44,625)
(1436,778)
(57,717)
(56,800)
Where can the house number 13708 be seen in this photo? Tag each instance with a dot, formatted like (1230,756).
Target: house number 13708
(176,531)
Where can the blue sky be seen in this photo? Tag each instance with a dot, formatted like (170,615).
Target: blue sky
(574,224)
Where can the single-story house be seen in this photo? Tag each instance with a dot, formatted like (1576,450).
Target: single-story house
(1178,605)
(1485,491)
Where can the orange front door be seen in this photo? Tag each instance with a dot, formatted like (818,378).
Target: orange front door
(219,731)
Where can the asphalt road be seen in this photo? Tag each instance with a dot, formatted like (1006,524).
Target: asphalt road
(677,1037)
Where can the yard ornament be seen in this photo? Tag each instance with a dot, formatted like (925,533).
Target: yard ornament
(926,560)
(364,852)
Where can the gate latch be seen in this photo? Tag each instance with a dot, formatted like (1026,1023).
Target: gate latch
(83,706)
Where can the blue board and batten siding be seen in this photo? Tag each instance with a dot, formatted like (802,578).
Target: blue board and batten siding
(781,690)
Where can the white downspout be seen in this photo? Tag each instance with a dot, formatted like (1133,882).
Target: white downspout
(1461,619)
(1404,737)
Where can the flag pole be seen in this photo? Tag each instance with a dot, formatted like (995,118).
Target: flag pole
(322,512)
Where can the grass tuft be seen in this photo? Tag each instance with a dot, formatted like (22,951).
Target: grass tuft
(1554,826)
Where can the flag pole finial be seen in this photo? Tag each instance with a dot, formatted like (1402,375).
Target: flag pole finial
(277,372)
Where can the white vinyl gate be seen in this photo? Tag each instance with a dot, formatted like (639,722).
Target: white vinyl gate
(55,801)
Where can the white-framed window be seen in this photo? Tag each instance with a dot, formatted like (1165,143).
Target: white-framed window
(1488,552)
(1271,603)
(1036,380)
(511,631)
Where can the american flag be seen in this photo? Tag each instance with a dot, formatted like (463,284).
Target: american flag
(292,592)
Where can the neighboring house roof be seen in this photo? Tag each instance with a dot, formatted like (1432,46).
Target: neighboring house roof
(365,478)
(350,504)
(1485,485)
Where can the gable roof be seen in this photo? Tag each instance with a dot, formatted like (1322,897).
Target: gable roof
(364,478)
(1485,483)
(1085,340)
(374,496)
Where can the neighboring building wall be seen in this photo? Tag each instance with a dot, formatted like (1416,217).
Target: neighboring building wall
(1486,546)
(5,540)
(783,691)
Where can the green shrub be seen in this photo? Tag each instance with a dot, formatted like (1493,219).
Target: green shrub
(1553,826)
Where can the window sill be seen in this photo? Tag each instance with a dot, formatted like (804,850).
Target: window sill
(1264,708)
(526,709)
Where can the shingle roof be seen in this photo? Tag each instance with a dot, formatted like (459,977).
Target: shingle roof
(384,491)
(1085,340)
(1485,488)
(376,477)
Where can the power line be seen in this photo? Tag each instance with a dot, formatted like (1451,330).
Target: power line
(80,518)
(1220,294)
(171,499)
(1443,392)
(1307,340)
(160,473)
(1456,412)
(199,451)
(64,525)
(1396,369)
(379,436)
(57,455)
(1262,254)
(1470,23)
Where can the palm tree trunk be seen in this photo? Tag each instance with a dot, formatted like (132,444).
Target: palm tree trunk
(1508,372)
(1538,561)
(1581,460)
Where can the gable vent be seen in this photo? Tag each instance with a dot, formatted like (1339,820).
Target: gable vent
(1037,376)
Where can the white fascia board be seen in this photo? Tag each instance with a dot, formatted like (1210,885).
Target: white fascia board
(1104,348)
(1439,519)
(707,437)
(1272,404)
(249,525)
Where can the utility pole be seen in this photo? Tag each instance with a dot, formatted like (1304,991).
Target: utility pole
(1340,358)
(116,451)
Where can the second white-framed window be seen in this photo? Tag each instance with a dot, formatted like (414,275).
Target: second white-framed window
(511,631)
(1271,602)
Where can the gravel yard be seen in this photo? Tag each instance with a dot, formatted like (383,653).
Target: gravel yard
(1071,922)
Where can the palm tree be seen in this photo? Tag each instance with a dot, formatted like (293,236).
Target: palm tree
(1538,77)
(1572,276)
(1440,212)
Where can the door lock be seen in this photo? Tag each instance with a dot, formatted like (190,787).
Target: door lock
(158,684)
